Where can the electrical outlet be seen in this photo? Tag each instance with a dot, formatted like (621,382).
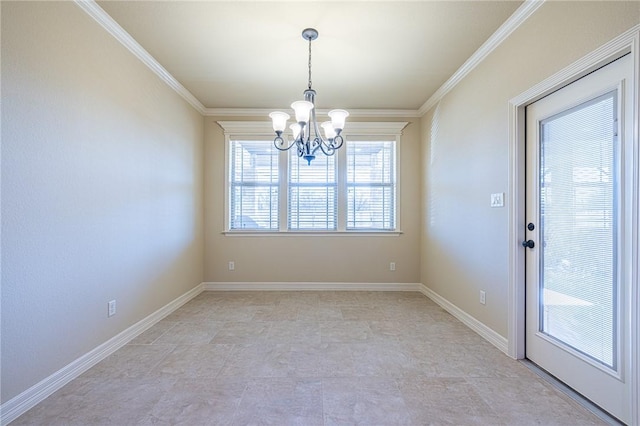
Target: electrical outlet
(392,266)
(232,265)
(483,297)
(111,308)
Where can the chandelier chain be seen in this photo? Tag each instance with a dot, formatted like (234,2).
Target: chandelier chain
(309,63)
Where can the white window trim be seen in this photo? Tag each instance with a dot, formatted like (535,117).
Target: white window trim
(357,131)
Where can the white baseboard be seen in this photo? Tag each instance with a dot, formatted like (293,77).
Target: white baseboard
(20,404)
(308,286)
(488,334)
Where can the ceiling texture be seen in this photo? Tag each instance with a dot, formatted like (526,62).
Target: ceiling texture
(370,55)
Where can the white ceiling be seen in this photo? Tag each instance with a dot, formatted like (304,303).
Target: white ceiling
(369,55)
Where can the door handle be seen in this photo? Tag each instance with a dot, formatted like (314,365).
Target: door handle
(528,243)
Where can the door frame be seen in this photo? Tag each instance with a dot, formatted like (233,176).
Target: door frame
(626,43)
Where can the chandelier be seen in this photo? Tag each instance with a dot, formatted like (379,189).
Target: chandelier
(306,133)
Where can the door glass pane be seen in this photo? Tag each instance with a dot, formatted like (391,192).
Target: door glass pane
(578,285)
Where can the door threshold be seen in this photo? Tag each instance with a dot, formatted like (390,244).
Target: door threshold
(562,387)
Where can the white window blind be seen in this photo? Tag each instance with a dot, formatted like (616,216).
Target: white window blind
(579,175)
(371,185)
(253,185)
(312,193)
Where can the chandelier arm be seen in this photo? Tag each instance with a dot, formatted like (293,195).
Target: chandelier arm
(337,142)
(316,129)
(279,140)
(327,149)
(300,147)
(318,143)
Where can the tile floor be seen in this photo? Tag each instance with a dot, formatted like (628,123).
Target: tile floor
(309,358)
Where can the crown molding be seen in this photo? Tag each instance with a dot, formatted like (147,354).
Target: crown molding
(108,23)
(523,13)
(112,27)
(258,112)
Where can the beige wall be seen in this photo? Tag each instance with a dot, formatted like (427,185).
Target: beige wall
(101,190)
(464,243)
(311,259)
(106,173)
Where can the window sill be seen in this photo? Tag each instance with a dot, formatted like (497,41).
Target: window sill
(363,233)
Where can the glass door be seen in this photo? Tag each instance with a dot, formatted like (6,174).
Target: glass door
(575,244)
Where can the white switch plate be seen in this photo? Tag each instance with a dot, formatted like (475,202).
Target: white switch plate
(111,308)
(483,297)
(497,199)
(232,266)
(392,266)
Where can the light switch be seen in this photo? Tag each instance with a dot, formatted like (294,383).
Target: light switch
(497,199)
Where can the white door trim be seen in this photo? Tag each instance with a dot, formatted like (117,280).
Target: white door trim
(628,42)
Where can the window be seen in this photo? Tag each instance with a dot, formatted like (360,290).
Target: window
(352,191)
(312,193)
(253,185)
(371,185)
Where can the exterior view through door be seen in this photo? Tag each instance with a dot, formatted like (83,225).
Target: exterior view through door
(578,237)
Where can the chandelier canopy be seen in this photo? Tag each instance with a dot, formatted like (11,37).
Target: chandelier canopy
(305,131)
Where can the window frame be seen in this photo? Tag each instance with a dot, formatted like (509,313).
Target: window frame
(363,131)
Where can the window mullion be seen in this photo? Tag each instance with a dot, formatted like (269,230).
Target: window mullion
(341,182)
(283,201)
(230,170)
(395,208)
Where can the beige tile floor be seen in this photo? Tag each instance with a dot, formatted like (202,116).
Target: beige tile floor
(309,358)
